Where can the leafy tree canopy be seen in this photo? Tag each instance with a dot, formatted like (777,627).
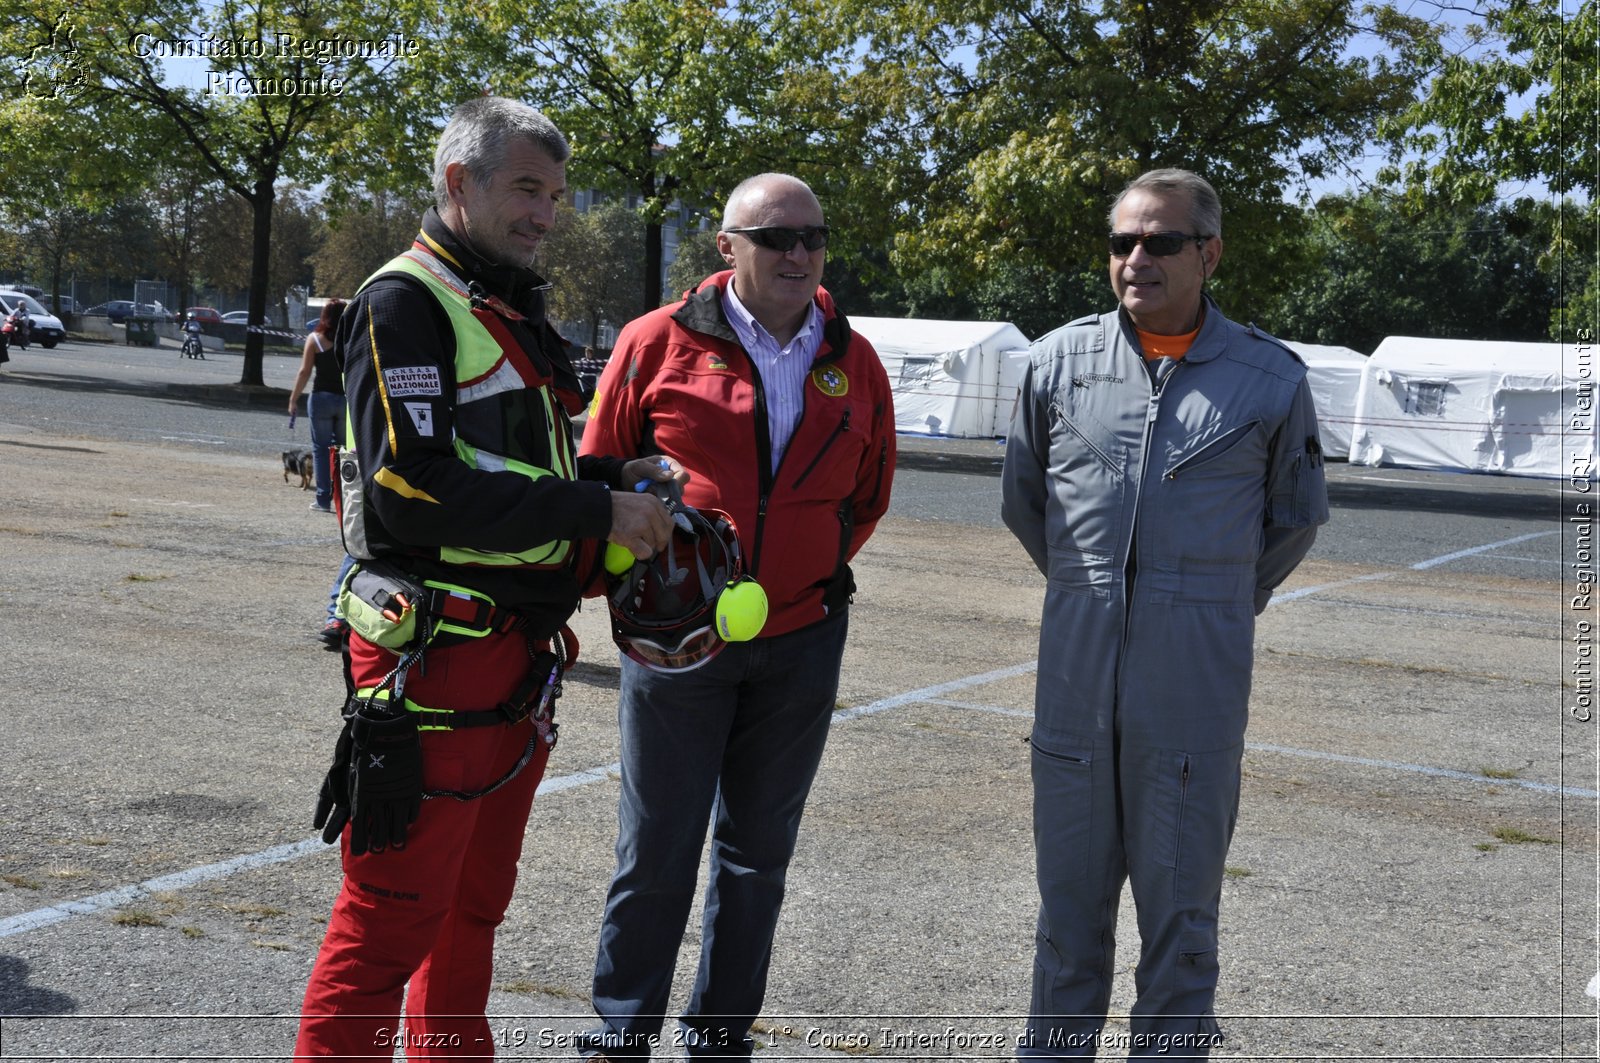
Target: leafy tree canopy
(1010,160)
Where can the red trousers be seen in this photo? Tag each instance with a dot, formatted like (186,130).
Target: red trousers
(427,914)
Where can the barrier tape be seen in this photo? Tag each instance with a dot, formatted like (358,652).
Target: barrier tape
(280,333)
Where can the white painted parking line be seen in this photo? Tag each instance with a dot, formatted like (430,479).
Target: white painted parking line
(115,898)
(998,710)
(1423,769)
(1420,566)
(100,902)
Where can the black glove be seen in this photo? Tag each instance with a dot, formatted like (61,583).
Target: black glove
(385,779)
(333,801)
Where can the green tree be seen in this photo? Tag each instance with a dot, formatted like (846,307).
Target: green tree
(697,259)
(1391,266)
(278,101)
(296,233)
(1463,140)
(364,234)
(177,199)
(1007,159)
(60,181)
(660,99)
(591,260)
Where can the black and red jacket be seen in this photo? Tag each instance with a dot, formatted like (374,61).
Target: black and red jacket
(679,383)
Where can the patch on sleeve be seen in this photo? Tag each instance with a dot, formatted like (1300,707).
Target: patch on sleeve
(421,416)
(407,380)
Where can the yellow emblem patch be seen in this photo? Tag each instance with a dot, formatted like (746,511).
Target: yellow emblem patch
(830,381)
(594,403)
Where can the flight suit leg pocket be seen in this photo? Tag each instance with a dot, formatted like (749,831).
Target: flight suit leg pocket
(1063,807)
(1196,812)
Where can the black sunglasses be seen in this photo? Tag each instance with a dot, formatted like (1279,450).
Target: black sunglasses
(814,237)
(1159,244)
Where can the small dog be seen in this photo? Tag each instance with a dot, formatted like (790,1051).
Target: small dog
(298,462)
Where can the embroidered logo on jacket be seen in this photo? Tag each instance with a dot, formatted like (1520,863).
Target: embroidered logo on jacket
(411,380)
(421,416)
(714,361)
(830,381)
(1094,378)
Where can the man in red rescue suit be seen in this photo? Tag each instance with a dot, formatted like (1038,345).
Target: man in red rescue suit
(781,415)
(471,498)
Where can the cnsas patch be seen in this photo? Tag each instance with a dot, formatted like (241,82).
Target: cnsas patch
(831,381)
(594,403)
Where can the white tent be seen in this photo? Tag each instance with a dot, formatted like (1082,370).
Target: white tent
(1335,377)
(949,378)
(1473,406)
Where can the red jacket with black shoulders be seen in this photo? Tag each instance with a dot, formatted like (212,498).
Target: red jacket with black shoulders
(679,383)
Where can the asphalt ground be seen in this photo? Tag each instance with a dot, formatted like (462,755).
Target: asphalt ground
(1413,876)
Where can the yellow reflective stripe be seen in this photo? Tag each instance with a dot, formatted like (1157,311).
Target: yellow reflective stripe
(383,387)
(386,477)
(441,252)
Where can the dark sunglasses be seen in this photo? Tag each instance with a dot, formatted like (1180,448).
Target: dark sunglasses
(1158,244)
(815,237)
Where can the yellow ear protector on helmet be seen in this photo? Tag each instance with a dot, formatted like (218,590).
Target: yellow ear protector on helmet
(676,610)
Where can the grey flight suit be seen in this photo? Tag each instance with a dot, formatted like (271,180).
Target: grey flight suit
(1162,516)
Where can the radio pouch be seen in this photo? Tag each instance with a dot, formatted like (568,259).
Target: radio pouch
(350,505)
(386,607)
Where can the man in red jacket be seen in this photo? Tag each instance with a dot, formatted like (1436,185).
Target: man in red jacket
(781,415)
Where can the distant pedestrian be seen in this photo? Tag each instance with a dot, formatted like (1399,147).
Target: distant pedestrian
(319,363)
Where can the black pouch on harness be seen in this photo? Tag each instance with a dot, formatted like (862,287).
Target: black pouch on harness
(385,606)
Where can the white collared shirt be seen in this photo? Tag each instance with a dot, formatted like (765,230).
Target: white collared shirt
(783,369)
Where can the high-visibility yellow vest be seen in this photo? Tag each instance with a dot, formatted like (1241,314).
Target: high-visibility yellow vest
(486,368)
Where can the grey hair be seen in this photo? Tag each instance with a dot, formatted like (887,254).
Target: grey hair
(478,137)
(1205,209)
(743,189)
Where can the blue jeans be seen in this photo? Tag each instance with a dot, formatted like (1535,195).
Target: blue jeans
(736,743)
(325,411)
(338,582)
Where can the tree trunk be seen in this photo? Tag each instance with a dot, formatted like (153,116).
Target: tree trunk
(652,267)
(260,265)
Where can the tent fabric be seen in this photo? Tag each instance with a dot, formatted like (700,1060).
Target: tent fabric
(1335,377)
(949,378)
(1473,406)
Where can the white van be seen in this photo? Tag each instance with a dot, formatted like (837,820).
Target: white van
(47,328)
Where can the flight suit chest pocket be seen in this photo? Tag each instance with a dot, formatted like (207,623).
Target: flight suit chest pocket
(1088,479)
(1231,452)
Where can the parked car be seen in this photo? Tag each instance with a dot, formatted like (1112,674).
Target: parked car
(205,314)
(236,317)
(155,311)
(47,328)
(69,305)
(117,310)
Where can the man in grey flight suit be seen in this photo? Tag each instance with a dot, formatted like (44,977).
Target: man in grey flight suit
(1164,473)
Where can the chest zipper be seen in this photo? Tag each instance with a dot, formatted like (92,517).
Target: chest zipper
(839,429)
(1151,412)
(1083,437)
(1214,449)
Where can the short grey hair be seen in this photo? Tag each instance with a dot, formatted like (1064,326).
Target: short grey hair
(1205,209)
(479,134)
